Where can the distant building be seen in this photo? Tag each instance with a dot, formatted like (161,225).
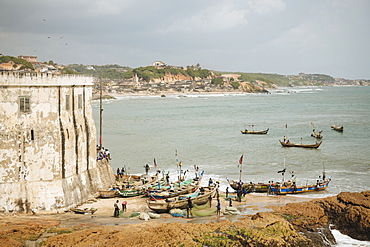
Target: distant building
(31,59)
(48,143)
(159,64)
(229,77)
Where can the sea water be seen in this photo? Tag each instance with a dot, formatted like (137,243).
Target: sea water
(204,131)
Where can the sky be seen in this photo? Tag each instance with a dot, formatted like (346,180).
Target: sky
(285,37)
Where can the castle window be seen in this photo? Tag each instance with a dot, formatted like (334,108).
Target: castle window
(79,101)
(24,103)
(67,102)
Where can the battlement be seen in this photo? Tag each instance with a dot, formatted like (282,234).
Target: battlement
(20,78)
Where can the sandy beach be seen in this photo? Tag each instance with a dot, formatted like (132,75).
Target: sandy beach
(251,204)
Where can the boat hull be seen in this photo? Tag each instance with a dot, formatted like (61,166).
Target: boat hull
(284,190)
(291,144)
(163,206)
(262,132)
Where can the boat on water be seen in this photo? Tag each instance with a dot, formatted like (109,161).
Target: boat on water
(317,135)
(84,211)
(262,132)
(337,128)
(199,197)
(292,144)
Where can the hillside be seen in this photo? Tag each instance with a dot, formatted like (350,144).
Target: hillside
(169,74)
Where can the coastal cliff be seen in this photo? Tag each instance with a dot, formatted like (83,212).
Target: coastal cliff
(295,224)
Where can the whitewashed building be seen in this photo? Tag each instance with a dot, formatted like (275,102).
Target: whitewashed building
(48,143)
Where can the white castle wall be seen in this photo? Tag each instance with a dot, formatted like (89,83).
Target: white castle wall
(48,155)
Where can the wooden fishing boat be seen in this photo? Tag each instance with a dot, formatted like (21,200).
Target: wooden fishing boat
(185,187)
(199,197)
(249,187)
(130,193)
(137,190)
(283,189)
(337,128)
(292,144)
(317,135)
(108,193)
(262,132)
(84,211)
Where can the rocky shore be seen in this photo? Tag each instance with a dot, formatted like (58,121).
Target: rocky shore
(293,221)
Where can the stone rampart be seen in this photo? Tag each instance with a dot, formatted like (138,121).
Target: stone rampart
(48,143)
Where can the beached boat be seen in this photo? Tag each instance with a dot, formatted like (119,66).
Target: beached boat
(180,188)
(199,197)
(130,193)
(108,193)
(249,187)
(337,128)
(262,132)
(84,211)
(283,189)
(292,144)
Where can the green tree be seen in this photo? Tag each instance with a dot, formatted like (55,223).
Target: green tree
(235,84)
(217,81)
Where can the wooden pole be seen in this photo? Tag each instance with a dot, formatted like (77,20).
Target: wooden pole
(101,113)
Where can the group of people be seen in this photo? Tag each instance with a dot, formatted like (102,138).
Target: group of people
(121,172)
(116,208)
(102,153)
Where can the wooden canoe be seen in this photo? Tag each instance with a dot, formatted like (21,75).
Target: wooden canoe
(337,128)
(262,132)
(201,196)
(283,190)
(292,144)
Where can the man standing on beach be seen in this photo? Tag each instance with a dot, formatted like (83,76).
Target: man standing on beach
(116,209)
(218,207)
(146,169)
(189,208)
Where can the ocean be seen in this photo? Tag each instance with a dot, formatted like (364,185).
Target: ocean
(204,130)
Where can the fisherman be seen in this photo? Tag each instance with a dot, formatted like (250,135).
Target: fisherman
(218,207)
(124,206)
(146,169)
(230,202)
(172,188)
(210,182)
(189,208)
(116,209)
(227,192)
(122,171)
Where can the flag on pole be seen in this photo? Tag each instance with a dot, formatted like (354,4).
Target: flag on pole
(155,163)
(282,171)
(241,160)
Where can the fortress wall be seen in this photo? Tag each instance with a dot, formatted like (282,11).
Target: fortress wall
(48,152)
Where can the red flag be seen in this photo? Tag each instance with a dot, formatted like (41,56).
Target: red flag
(241,160)
(155,163)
